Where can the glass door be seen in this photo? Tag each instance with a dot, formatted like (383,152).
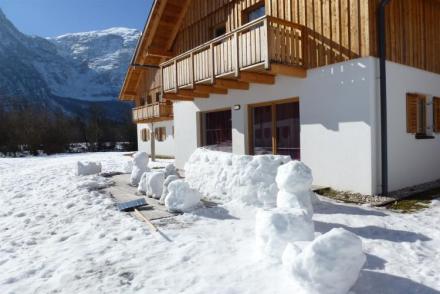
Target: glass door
(275,129)
(288,130)
(262,130)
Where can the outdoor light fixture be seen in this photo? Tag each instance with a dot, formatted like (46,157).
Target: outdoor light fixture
(237,107)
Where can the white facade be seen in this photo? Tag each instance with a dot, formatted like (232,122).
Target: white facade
(340,124)
(337,116)
(411,161)
(162,149)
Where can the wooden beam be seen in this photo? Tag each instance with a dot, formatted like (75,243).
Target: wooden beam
(175,31)
(174,96)
(151,26)
(231,84)
(285,70)
(191,93)
(259,78)
(210,89)
(159,52)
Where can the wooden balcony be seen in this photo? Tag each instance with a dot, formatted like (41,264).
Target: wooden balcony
(159,111)
(254,53)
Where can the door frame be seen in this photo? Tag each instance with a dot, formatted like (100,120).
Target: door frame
(274,133)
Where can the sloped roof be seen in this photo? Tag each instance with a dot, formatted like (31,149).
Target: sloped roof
(155,43)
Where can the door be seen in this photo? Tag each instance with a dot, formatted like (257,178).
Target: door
(275,128)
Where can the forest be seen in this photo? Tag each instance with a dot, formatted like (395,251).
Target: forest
(33,131)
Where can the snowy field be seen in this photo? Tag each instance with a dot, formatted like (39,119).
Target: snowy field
(60,234)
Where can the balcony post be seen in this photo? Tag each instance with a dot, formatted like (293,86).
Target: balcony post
(265,44)
(175,77)
(235,56)
(192,70)
(211,50)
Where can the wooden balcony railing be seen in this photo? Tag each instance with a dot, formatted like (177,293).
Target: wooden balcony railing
(153,112)
(255,44)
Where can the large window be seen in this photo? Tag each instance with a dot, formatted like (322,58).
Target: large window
(275,128)
(217,130)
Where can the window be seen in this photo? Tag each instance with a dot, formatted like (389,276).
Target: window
(254,12)
(436,110)
(219,30)
(160,134)
(416,114)
(275,128)
(149,100)
(157,96)
(145,135)
(217,130)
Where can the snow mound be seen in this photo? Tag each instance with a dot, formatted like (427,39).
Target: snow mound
(294,176)
(155,184)
(297,201)
(142,186)
(224,176)
(274,229)
(330,264)
(140,166)
(128,167)
(166,183)
(181,198)
(87,168)
(170,170)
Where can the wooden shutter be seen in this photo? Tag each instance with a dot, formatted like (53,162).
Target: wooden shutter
(411,113)
(436,108)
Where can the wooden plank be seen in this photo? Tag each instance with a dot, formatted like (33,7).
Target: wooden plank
(259,78)
(231,84)
(293,71)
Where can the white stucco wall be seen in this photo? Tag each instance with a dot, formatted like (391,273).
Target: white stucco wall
(165,148)
(337,109)
(411,161)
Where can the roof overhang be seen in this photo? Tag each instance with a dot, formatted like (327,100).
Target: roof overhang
(155,43)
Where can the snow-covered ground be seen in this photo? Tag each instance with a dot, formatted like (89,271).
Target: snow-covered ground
(60,234)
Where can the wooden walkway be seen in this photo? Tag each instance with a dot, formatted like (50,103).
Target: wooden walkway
(123,192)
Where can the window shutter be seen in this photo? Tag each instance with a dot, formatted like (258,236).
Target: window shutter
(411,113)
(436,107)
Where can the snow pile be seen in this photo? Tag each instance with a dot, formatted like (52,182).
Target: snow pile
(140,166)
(87,168)
(224,176)
(170,170)
(155,184)
(181,198)
(128,166)
(330,264)
(166,183)
(274,229)
(294,181)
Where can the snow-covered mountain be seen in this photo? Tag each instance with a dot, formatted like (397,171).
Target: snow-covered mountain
(82,66)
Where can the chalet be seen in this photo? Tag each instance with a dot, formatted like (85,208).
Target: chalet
(349,87)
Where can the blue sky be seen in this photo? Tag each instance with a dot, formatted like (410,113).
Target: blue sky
(48,18)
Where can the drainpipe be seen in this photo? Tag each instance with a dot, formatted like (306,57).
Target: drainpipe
(383,93)
(153,143)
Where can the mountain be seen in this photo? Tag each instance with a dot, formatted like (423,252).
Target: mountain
(68,72)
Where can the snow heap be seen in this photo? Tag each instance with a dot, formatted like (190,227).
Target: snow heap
(278,227)
(181,198)
(140,166)
(330,264)
(86,168)
(292,219)
(224,176)
(294,181)
(128,166)
(166,183)
(170,170)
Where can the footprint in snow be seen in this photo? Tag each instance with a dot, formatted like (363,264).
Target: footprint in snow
(21,214)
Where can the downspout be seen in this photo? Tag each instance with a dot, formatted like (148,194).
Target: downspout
(383,93)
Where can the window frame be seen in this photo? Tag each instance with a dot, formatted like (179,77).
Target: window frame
(246,13)
(145,135)
(160,134)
